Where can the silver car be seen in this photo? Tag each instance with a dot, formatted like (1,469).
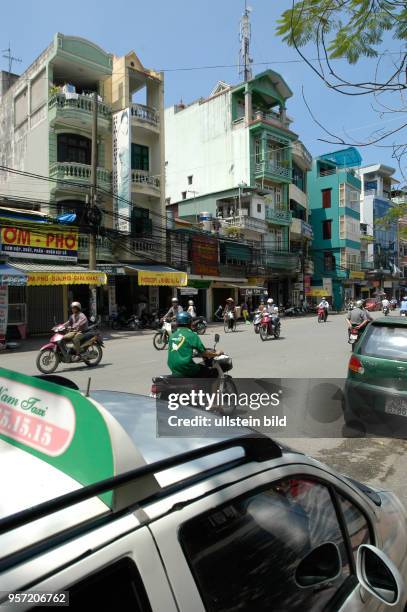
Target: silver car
(233,521)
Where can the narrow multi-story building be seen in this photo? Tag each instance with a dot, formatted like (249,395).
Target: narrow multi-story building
(46,117)
(229,164)
(334,202)
(379,248)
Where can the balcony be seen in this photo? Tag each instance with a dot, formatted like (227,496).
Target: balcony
(278,217)
(367,265)
(272,118)
(232,271)
(302,154)
(104,248)
(144,116)
(281,260)
(301,228)
(245,222)
(77,111)
(273,169)
(71,175)
(142,182)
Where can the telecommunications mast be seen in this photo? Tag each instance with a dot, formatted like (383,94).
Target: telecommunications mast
(245,61)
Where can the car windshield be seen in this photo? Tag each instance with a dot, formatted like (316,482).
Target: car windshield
(386,341)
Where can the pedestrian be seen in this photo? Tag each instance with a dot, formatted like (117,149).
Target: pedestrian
(245,313)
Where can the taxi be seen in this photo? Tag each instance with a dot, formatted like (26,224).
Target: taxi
(99,512)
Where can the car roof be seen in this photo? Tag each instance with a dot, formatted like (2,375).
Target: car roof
(391,321)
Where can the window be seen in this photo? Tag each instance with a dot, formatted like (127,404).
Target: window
(342,227)
(190,179)
(74,148)
(21,108)
(184,195)
(120,581)
(342,194)
(244,554)
(329,261)
(257,151)
(385,342)
(38,91)
(259,208)
(139,157)
(326,198)
(327,229)
(356,524)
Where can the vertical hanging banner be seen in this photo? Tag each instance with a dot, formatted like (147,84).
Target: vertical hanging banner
(3,315)
(122,168)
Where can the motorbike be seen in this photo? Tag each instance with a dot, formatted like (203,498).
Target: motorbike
(354,334)
(57,351)
(119,322)
(269,326)
(199,325)
(386,310)
(229,323)
(162,386)
(321,315)
(160,339)
(256,321)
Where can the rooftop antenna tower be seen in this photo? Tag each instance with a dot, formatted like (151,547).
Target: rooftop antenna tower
(8,56)
(245,35)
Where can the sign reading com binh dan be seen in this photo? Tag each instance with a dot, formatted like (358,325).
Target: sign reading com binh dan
(45,242)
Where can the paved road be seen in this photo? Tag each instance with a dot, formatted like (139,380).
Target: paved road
(305,349)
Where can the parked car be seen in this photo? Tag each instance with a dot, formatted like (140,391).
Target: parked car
(373,304)
(108,512)
(376,385)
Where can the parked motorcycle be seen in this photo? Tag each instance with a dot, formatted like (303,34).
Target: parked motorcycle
(57,351)
(386,310)
(119,322)
(269,326)
(256,321)
(164,385)
(199,325)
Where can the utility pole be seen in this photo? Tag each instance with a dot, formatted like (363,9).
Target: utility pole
(92,203)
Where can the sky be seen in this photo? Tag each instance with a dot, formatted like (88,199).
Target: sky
(195,33)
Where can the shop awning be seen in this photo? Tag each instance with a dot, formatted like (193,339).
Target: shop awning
(47,274)
(12,277)
(155,275)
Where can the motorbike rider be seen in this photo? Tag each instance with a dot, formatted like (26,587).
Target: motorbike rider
(191,309)
(174,310)
(359,317)
(76,325)
(325,305)
(230,307)
(403,305)
(273,310)
(385,303)
(181,345)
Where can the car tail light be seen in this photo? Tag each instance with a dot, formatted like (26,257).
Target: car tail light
(355,365)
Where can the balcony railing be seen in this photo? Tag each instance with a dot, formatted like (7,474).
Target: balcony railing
(78,173)
(280,217)
(272,117)
(83,104)
(104,247)
(245,222)
(145,113)
(269,167)
(143,179)
(299,149)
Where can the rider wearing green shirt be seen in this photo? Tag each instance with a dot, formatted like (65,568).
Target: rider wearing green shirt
(181,347)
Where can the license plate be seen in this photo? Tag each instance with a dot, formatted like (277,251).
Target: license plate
(353,337)
(396,405)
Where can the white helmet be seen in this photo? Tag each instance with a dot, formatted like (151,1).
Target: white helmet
(174,300)
(359,303)
(275,309)
(270,301)
(190,302)
(76,305)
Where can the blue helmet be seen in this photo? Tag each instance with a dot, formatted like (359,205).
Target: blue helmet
(184,319)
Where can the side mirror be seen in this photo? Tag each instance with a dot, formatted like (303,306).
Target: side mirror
(378,575)
(322,564)
(217,338)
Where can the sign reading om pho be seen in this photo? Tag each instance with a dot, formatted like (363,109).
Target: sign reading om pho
(44,242)
(162,279)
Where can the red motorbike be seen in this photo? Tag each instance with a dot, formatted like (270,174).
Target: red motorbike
(270,326)
(354,334)
(57,351)
(321,315)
